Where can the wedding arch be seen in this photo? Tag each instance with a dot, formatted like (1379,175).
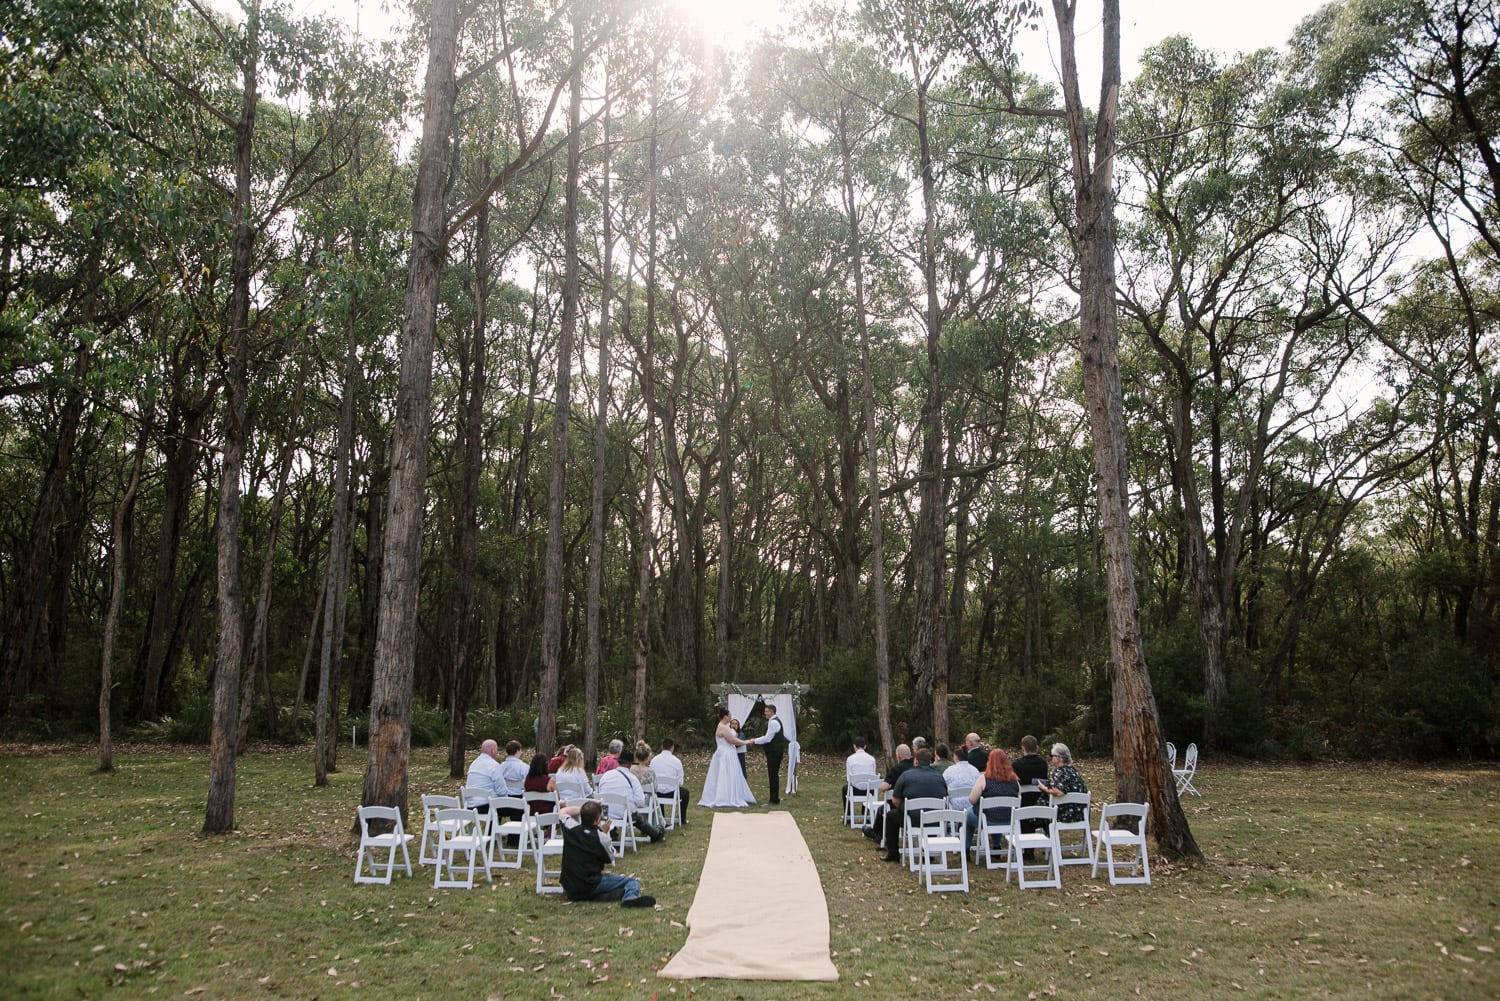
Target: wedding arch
(741,700)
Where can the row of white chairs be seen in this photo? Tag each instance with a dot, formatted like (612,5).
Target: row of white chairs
(933,842)
(460,842)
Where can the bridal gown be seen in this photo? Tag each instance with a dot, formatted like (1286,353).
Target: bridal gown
(725,785)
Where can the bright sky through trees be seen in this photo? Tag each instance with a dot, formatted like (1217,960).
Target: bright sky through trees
(1220,27)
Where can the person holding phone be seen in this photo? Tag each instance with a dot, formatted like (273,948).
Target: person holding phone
(1063,779)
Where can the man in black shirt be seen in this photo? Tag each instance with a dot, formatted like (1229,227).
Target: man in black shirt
(921,781)
(586,852)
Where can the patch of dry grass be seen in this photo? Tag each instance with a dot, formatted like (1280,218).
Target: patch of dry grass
(1331,881)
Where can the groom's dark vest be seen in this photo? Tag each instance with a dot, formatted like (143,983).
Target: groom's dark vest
(779,742)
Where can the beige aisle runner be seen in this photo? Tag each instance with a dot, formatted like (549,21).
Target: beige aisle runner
(759,913)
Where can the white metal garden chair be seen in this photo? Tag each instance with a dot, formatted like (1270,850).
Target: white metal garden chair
(1184,775)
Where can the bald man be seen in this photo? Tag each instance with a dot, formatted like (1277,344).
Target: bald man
(485,774)
(975,752)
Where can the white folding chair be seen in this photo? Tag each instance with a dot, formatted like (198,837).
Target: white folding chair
(1069,851)
(1172,755)
(622,831)
(431,804)
(460,832)
(547,843)
(860,789)
(1184,775)
(996,854)
(669,806)
(942,857)
(1110,837)
(865,798)
(500,855)
(388,841)
(911,811)
(1043,841)
(548,798)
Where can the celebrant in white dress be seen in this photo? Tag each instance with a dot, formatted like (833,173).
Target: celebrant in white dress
(726,785)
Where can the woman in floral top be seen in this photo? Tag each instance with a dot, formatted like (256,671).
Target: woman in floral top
(1063,780)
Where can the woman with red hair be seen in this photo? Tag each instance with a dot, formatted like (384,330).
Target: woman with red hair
(999,779)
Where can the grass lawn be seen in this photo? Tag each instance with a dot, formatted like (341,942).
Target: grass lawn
(1334,881)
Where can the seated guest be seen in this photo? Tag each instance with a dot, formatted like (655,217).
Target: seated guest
(893,774)
(556,761)
(537,780)
(917,782)
(622,782)
(1030,767)
(670,776)
(942,758)
(1063,780)
(612,759)
(861,762)
(975,752)
(571,783)
(513,769)
(960,777)
(642,764)
(586,851)
(999,779)
(484,773)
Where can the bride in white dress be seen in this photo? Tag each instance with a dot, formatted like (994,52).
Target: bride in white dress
(726,785)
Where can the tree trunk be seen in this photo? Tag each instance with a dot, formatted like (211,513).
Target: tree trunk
(464,670)
(258,659)
(553,595)
(400,580)
(594,644)
(120,534)
(872,454)
(218,814)
(930,638)
(335,597)
(648,478)
(31,587)
(1142,772)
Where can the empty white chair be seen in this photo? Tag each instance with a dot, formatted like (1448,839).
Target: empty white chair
(388,841)
(460,832)
(911,811)
(547,843)
(1110,837)
(1172,755)
(1042,842)
(1071,851)
(942,857)
(1184,775)
(431,804)
(989,835)
(501,828)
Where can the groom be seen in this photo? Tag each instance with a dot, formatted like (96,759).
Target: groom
(775,744)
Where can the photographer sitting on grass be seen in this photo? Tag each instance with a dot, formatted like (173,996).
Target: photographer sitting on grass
(586,851)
